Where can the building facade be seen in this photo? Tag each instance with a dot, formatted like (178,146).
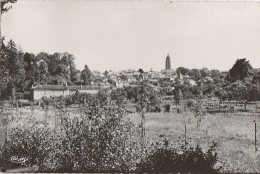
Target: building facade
(40,91)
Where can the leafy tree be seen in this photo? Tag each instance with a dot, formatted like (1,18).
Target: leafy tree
(195,73)
(19,70)
(215,73)
(178,96)
(147,98)
(123,77)
(4,3)
(28,59)
(119,95)
(13,65)
(12,58)
(241,69)
(205,72)
(53,62)
(256,79)
(43,71)
(69,61)
(182,70)
(106,73)
(63,71)
(86,75)
(4,71)
(254,93)
(141,71)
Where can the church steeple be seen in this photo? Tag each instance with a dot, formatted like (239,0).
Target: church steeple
(168,63)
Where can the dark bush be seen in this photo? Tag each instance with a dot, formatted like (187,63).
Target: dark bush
(167,107)
(174,160)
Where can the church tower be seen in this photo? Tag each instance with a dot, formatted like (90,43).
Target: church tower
(168,63)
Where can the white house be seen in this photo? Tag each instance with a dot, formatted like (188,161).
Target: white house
(40,91)
(48,91)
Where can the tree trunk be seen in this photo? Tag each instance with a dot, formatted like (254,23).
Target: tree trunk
(0,25)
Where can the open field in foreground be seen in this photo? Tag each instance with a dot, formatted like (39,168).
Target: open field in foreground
(233,133)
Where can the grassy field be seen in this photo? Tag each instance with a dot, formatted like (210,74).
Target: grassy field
(233,133)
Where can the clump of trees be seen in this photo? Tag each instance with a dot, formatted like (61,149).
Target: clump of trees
(19,70)
(241,82)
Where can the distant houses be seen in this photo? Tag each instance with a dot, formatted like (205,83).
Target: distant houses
(164,79)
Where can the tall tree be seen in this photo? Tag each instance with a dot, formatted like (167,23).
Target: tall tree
(69,59)
(53,62)
(4,71)
(86,75)
(43,71)
(4,8)
(19,69)
(241,69)
(178,96)
(12,57)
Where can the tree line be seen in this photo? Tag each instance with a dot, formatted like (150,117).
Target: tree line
(19,70)
(241,82)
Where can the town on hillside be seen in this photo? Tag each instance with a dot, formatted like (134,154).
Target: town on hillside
(57,118)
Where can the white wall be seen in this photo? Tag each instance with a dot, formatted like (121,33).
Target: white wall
(39,94)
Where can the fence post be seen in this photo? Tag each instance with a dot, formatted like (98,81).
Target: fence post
(55,115)
(255,137)
(185,136)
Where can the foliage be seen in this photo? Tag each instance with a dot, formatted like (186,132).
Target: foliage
(182,70)
(195,73)
(27,69)
(100,140)
(147,98)
(164,159)
(241,69)
(205,72)
(5,8)
(86,76)
(215,73)
(178,96)
(141,70)
(167,107)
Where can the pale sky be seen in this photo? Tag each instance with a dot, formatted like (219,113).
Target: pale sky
(121,35)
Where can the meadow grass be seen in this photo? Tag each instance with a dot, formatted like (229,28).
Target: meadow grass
(233,133)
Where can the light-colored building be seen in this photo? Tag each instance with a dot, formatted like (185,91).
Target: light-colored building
(121,84)
(40,91)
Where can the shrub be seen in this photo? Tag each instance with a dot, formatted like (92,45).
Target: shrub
(101,140)
(167,107)
(173,160)
(190,103)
